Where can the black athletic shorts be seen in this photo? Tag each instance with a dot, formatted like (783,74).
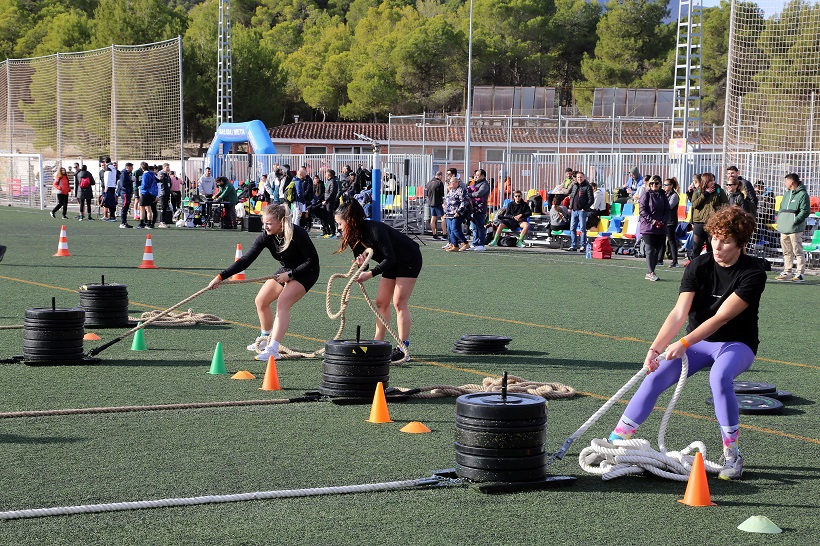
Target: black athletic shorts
(146,200)
(306,279)
(409,268)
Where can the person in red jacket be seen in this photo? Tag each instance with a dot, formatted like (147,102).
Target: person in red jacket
(63,187)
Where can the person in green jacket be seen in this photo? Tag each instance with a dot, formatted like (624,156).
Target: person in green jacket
(226,194)
(706,197)
(791,223)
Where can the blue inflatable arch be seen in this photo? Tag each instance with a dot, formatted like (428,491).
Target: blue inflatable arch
(253,132)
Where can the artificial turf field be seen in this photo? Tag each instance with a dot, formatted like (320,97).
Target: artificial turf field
(585,323)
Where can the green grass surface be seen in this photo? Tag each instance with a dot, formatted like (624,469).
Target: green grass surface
(574,321)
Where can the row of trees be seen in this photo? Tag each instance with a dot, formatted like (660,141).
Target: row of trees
(363,59)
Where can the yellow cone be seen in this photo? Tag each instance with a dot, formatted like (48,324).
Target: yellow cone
(415,427)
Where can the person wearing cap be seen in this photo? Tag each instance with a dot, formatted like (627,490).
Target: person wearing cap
(513,216)
(434,192)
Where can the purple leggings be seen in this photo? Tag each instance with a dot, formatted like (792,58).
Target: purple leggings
(728,359)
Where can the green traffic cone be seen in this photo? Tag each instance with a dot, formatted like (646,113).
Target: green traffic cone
(139,340)
(218,361)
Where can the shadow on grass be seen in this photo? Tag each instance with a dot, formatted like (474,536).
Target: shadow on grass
(19,439)
(529,358)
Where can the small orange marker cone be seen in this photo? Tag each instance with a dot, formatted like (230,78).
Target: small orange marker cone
(239,276)
(243,374)
(697,490)
(271,381)
(148,254)
(415,427)
(62,244)
(91,336)
(378,411)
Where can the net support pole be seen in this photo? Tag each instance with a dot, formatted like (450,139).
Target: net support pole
(181,118)
(729,82)
(59,127)
(113,152)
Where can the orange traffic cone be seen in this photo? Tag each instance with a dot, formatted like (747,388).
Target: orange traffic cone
(239,276)
(62,245)
(271,381)
(697,490)
(148,254)
(378,411)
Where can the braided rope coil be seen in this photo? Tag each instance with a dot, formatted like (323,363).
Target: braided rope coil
(491,384)
(185,318)
(636,456)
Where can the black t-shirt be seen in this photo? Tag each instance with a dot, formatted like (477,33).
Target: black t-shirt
(390,247)
(300,256)
(713,284)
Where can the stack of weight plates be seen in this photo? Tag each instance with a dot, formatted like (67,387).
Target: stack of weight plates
(478,344)
(353,368)
(501,438)
(105,305)
(53,336)
(755,398)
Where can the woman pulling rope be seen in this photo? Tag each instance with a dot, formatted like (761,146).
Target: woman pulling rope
(291,245)
(720,294)
(399,265)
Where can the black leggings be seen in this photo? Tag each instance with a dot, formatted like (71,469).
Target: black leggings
(85,201)
(654,244)
(62,203)
(699,237)
(671,247)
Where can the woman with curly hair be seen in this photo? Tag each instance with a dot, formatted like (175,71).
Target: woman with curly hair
(291,245)
(399,265)
(720,296)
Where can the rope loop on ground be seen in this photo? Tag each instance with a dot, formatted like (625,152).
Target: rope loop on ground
(185,318)
(515,384)
(636,456)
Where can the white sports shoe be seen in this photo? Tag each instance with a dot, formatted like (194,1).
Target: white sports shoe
(267,353)
(732,464)
(263,342)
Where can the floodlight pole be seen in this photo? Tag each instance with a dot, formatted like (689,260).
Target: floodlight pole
(376,189)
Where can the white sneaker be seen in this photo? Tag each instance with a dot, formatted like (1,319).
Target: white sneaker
(263,342)
(732,464)
(477,248)
(266,354)
(162,225)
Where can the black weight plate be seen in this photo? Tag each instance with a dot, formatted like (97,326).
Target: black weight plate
(48,313)
(480,349)
(112,314)
(494,424)
(477,352)
(52,344)
(50,353)
(98,287)
(462,343)
(338,369)
(332,391)
(500,440)
(54,358)
(755,404)
(501,453)
(58,325)
(752,387)
(350,347)
(483,337)
(80,361)
(367,389)
(372,380)
(480,475)
(501,463)
(780,395)
(514,406)
(52,335)
(356,360)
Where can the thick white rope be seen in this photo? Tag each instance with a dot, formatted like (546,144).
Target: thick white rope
(636,456)
(210,499)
